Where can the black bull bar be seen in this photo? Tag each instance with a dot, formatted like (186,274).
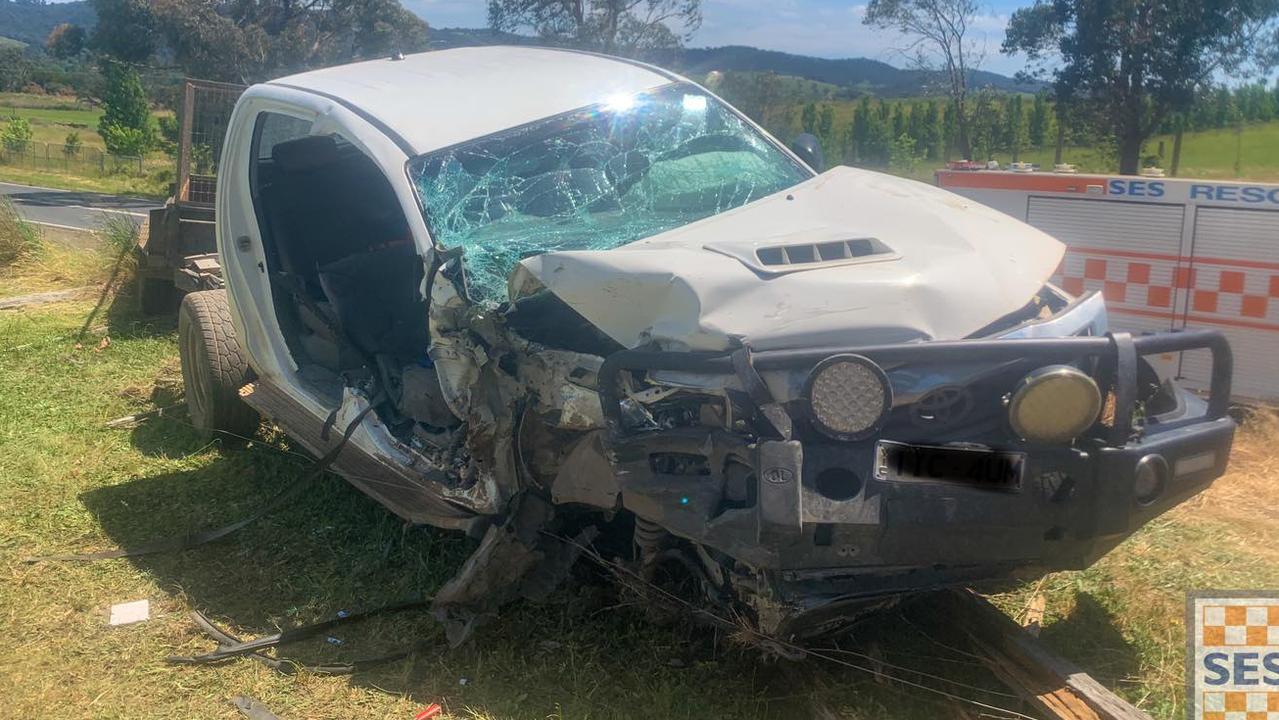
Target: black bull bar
(1117,353)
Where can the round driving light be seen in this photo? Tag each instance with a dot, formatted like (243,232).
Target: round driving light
(1150,478)
(1054,404)
(848,396)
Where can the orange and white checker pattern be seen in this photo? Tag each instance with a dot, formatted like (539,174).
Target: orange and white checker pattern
(1240,626)
(1211,291)
(1231,705)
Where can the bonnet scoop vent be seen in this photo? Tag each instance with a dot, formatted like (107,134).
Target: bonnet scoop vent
(775,258)
(820,253)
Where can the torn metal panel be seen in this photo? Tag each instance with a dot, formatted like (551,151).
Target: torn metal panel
(586,477)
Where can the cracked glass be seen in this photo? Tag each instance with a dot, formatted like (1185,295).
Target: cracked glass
(595,179)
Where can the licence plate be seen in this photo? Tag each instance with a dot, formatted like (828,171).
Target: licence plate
(992,469)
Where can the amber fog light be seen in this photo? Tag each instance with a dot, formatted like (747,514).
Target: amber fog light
(849,397)
(1150,479)
(1054,404)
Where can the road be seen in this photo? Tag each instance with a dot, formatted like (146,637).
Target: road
(72,208)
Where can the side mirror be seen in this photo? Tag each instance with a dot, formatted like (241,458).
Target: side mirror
(809,149)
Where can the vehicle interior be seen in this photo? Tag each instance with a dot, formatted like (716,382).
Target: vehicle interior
(346,277)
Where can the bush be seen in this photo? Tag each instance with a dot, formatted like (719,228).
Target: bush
(16,134)
(168,133)
(122,140)
(71,144)
(18,239)
(902,157)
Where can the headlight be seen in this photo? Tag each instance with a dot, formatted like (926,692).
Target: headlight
(1054,404)
(849,397)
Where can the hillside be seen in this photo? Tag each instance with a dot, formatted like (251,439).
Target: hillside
(30,22)
(854,73)
(860,75)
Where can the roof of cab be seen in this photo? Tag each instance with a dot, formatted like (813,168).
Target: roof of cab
(441,98)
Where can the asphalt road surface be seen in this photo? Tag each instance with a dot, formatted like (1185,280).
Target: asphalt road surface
(73,208)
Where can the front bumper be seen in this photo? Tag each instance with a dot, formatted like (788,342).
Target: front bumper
(820,542)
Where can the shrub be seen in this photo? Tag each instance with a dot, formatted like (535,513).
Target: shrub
(124,140)
(71,144)
(168,133)
(18,239)
(16,134)
(902,157)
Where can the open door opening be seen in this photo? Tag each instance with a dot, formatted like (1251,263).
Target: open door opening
(347,278)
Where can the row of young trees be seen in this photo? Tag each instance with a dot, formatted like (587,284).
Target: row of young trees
(879,132)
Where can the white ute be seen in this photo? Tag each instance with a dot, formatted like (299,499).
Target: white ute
(557,298)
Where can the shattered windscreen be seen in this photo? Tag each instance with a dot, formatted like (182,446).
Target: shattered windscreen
(595,179)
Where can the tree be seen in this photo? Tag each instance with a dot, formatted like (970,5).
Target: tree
(16,135)
(860,129)
(902,156)
(899,120)
(825,122)
(933,132)
(15,68)
(1135,61)
(1016,131)
(938,41)
(625,27)
(808,118)
(71,145)
(247,40)
(1040,119)
(125,126)
(125,29)
(65,41)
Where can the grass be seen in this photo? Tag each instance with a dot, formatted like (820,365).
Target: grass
(19,240)
(51,122)
(69,483)
(155,184)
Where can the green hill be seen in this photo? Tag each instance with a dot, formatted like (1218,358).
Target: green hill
(29,22)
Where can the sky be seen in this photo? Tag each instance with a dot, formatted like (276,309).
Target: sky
(823,28)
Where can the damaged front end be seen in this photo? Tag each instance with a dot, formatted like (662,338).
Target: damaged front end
(808,525)
(792,488)
(790,397)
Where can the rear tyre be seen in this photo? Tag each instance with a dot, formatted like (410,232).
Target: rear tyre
(214,367)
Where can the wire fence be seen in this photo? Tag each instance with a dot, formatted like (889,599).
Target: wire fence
(205,113)
(71,159)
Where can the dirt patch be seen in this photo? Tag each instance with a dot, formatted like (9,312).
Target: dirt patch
(43,298)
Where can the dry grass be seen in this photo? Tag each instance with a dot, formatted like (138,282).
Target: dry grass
(1122,619)
(19,240)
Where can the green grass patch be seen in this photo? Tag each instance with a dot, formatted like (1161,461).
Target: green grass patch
(155,184)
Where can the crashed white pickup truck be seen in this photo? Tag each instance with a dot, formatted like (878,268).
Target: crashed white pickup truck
(565,300)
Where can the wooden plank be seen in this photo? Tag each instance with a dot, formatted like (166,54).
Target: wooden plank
(1049,682)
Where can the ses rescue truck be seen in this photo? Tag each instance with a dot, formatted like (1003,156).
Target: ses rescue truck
(1166,253)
